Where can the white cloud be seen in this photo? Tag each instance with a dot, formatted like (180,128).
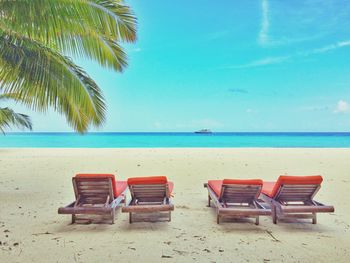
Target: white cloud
(344,43)
(276,60)
(324,49)
(262,62)
(342,107)
(289,40)
(265,24)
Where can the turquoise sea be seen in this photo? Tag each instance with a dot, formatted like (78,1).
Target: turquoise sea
(182,139)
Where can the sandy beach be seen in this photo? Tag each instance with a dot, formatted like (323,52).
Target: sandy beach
(35,182)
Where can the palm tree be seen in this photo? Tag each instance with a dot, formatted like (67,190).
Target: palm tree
(36,38)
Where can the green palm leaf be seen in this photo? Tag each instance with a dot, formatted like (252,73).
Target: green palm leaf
(9,118)
(42,77)
(94,35)
(34,35)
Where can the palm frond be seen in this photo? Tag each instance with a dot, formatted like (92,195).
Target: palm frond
(33,36)
(9,118)
(41,18)
(107,52)
(83,28)
(42,77)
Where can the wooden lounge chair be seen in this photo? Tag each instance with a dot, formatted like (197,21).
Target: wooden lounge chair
(292,197)
(236,198)
(149,196)
(95,194)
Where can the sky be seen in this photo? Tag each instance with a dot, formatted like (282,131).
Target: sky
(258,65)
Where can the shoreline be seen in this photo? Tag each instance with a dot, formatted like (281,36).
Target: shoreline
(170,148)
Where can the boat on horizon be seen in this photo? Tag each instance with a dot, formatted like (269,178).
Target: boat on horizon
(203,131)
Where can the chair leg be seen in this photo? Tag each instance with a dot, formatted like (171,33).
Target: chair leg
(218,219)
(113,215)
(257,220)
(314,218)
(73,218)
(209,200)
(274,214)
(169,216)
(130,218)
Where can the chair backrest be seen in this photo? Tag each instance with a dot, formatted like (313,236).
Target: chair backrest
(296,188)
(94,188)
(240,191)
(149,189)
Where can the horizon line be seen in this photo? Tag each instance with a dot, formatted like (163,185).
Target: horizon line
(213,132)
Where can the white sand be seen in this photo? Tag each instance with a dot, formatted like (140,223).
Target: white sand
(35,182)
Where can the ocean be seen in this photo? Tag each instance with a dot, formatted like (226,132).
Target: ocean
(176,139)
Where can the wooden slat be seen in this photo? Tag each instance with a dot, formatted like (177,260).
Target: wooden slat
(296,192)
(307,209)
(232,193)
(243,212)
(143,192)
(84,210)
(286,216)
(147,208)
(151,217)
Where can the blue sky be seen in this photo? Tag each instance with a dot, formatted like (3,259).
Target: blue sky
(258,65)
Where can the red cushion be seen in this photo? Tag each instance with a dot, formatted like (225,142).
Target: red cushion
(148,180)
(271,188)
(151,180)
(243,181)
(216,185)
(118,187)
(267,188)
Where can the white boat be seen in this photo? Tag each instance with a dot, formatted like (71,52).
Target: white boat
(204,131)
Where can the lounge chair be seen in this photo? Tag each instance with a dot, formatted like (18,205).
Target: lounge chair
(236,198)
(292,197)
(149,195)
(96,194)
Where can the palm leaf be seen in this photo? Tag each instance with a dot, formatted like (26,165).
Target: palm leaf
(9,118)
(83,28)
(33,36)
(42,77)
(111,17)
